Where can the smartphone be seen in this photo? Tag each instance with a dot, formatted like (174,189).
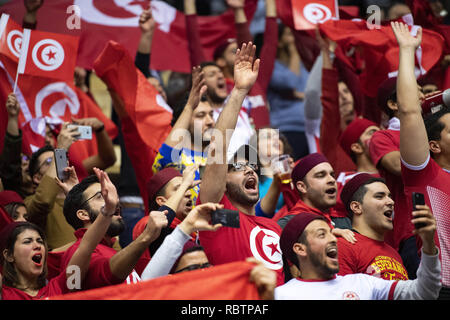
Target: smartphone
(61,163)
(226,217)
(85,131)
(418,199)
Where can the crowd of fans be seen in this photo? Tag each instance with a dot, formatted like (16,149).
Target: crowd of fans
(322,193)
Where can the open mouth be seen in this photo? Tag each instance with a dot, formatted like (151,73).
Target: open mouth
(37,259)
(250,184)
(331,191)
(188,205)
(332,252)
(388,214)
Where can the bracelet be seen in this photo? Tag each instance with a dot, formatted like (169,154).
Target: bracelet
(100,129)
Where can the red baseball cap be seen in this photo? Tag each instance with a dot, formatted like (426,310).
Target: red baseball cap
(353,132)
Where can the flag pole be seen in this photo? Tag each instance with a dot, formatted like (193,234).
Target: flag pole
(15,82)
(23,55)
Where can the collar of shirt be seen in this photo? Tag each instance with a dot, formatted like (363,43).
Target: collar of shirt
(394,124)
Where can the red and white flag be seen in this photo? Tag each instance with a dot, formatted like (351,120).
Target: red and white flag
(380,50)
(145,116)
(10,38)
(308,14)
(48,55)
(105,20)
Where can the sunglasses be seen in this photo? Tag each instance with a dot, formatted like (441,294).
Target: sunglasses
(194,267)
(240,166)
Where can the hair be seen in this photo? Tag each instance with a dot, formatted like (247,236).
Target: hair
(359,194)
(193,249)
(33,165)
(10,277)
(393,98)
(11,208)
(74,199)
(208,64)
(433,124)
(153,205)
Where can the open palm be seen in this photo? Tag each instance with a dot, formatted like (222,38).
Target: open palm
(404,37)
(246,68)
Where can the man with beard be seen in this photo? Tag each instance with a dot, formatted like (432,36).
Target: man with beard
(186,143)
(82,205)
(234,184)
(307,241)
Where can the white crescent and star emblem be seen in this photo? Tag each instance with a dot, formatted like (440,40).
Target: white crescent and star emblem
(316,13)
(265,247)
(14,41)
(48,54)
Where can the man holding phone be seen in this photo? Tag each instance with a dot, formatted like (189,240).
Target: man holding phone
(424,148)
(235,184)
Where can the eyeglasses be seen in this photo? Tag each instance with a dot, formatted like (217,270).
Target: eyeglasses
(240,166)
(87,200)
(46,161)
(194,267)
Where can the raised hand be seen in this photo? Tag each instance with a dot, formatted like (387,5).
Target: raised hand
(33,5)
(404,37)
(198,219)
(67,136)
(246,68)
(146,21)
(426,232)
(108,191)
(12,106)
(235,4)
(198,87)
(68,184)
(189,176)
(92,122)
(156,221)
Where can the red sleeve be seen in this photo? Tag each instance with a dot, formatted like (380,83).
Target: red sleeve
(380,145)
(346,258)
(330,127)
(420,178)
(243,34)
(197,56)
(268,53)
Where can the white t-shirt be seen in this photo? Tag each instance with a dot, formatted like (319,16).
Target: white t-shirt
(349,287)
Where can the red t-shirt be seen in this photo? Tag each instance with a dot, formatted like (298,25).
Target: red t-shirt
(372,257)
(99,274)
(434,182)
(56,286)
(257,237)
(382,143)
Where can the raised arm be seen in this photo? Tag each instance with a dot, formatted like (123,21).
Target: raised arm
(245,73)
(414,148)
(242,27)
(197,56)
(147,27)
(181,126)
(105,156)
(95,233)
(164,258)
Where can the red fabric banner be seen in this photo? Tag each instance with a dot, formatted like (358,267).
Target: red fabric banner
(225,282)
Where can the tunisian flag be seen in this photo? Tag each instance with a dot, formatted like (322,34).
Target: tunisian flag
(102,20)
(225,282)
(10,38)
(308,14)
(48,55)
(144,115)
(379,50)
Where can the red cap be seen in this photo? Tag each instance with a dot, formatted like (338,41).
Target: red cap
(9,196)
(354,184)
(218,52)
(293,230)
(306,164)
(159,180)
(353,132)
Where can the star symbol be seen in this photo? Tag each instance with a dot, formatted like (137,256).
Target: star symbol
(51,55)
(274,248)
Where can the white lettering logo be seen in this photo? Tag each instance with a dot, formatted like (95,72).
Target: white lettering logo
(316,13)
(265,247)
